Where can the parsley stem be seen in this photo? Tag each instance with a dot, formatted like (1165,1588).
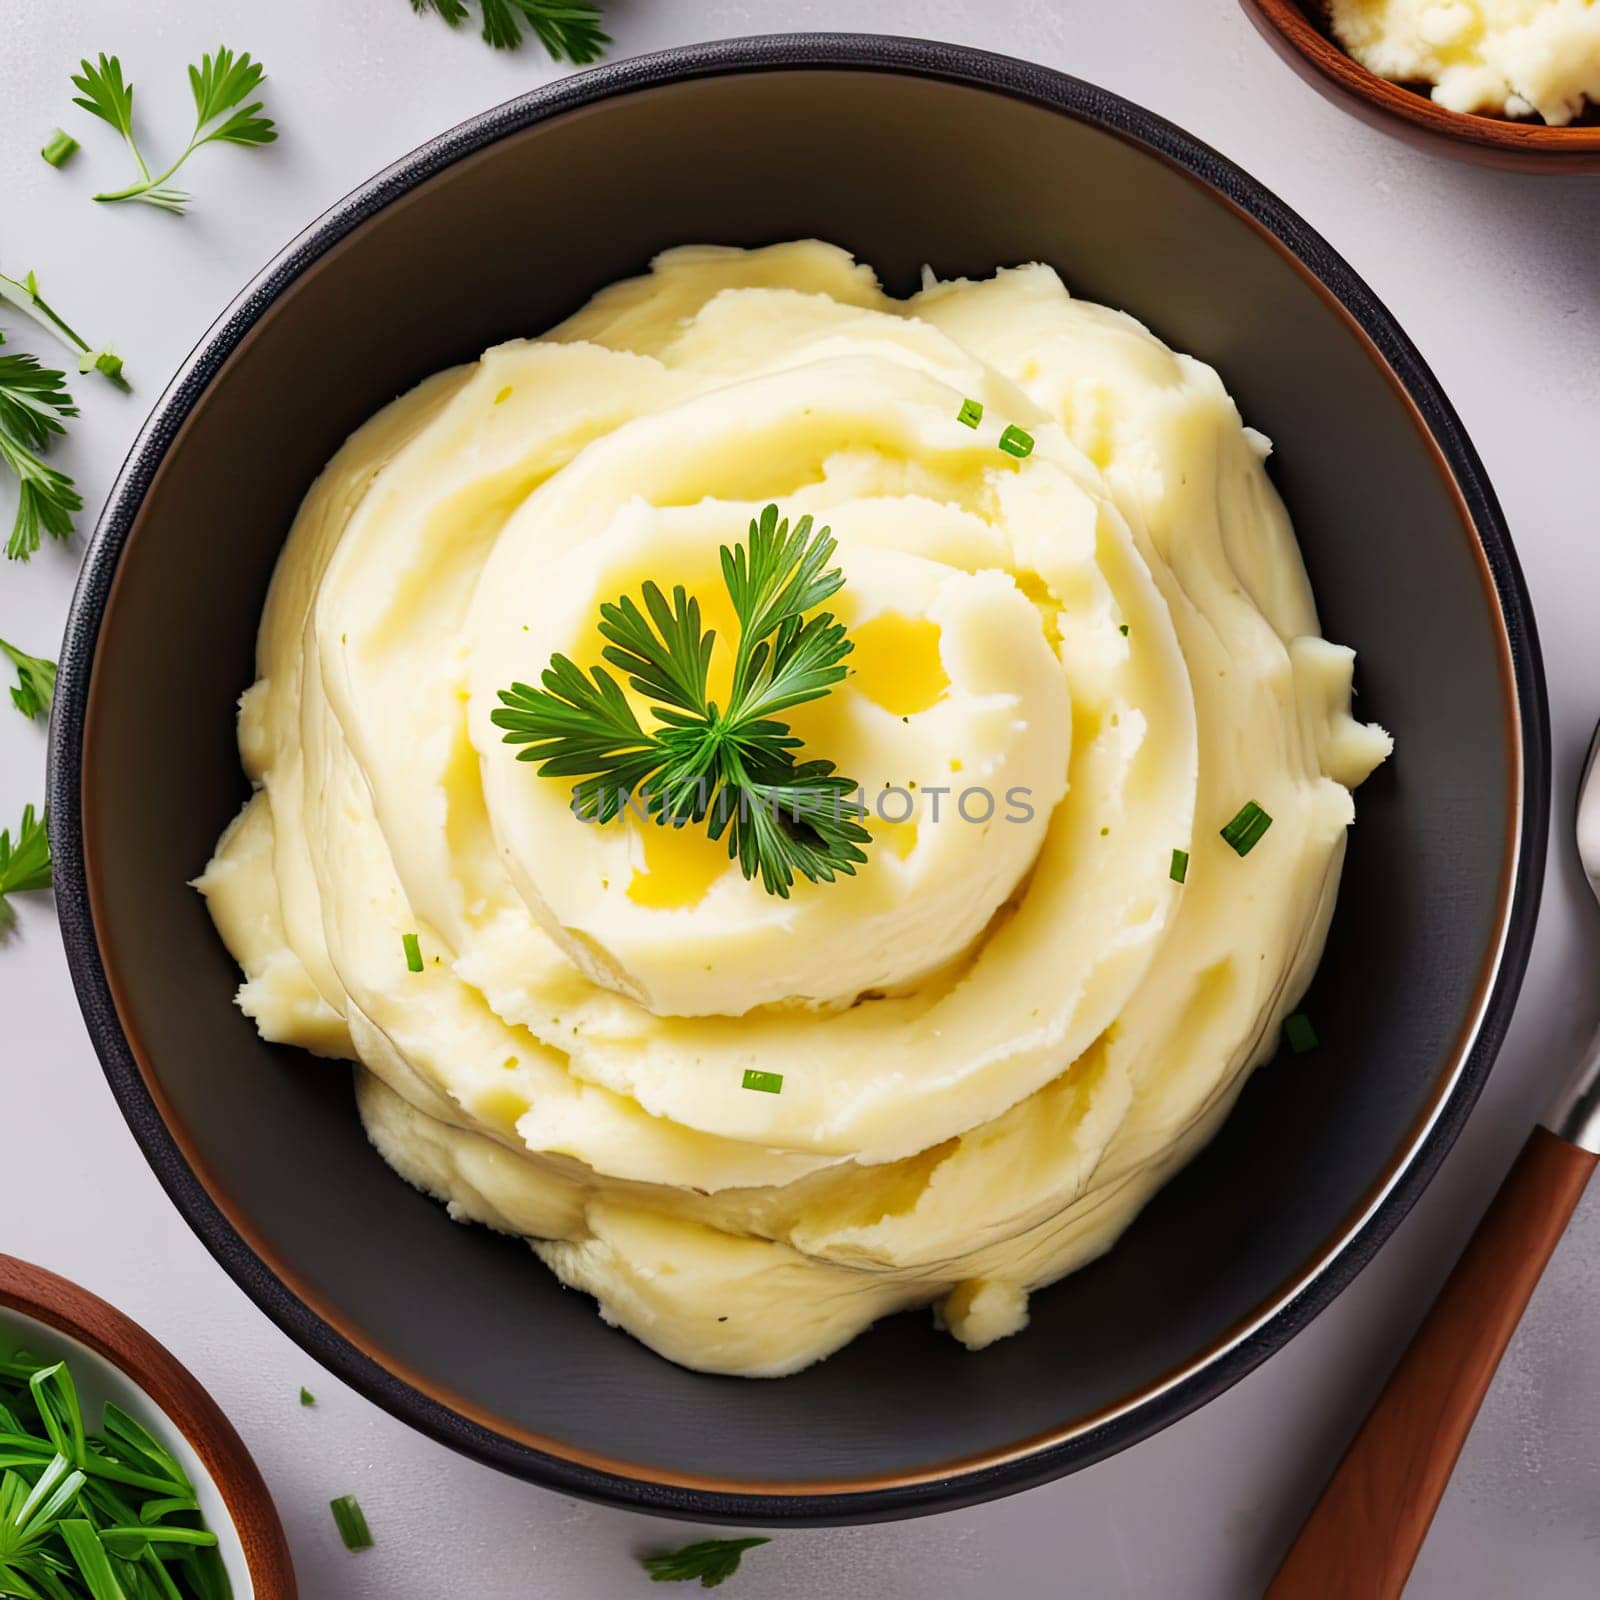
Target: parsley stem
(24,295)
(135,191)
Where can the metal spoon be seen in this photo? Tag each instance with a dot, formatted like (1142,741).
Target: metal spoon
(1363,1535)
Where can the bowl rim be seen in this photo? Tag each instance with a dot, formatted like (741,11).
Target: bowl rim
(457,1423)
(54,1302)
(1526,142)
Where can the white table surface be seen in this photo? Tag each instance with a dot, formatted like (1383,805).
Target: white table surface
(1496,277)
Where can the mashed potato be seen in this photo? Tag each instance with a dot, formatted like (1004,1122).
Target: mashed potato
(1513,56)
(1011,1025)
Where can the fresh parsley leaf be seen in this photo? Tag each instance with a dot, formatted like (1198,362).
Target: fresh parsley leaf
(36,681)
(25,865)
(568,29)
(453,11)
(786,821)
(33,400)
(46,499)
(734,769)
(582,728)
(23,293)
(712,1561)
(219,84)
(104,94)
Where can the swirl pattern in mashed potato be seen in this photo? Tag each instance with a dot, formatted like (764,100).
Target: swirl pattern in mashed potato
(1003,1033)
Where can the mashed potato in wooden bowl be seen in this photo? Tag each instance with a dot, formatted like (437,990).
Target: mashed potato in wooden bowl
(1518,58)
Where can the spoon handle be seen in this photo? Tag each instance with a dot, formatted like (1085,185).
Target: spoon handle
(1364,1533)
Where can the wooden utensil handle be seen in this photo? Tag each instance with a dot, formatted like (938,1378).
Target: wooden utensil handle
(1364,1533)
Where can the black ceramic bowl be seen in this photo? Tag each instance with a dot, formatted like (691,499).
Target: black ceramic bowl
(905,153)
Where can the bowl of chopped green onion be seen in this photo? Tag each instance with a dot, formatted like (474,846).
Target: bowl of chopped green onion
(120,1479)
(909,155)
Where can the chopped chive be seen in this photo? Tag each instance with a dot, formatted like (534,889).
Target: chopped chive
(766,1082)
(1016,441)
(971,413)
(351,1522)
(76,1503)
(1244,832)
(413,947)
(306,1397)
(1298,1033)
(1180,865)
(1123,630)
(59,148)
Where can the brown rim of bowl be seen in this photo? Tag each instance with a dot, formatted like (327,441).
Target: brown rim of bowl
(54,1302)
(349,1351)
(1288,25)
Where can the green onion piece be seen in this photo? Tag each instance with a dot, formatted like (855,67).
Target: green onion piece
(766,1082)
(413,952)
(307,1398)
(351,1522)
(1180,865)
(1244,833)
(1123,630)
(1016,441)
(971,413)
(59,148)
(89,1557)
(1299,1034)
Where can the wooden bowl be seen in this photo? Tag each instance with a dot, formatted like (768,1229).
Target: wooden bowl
(1296,29)
(113,1358)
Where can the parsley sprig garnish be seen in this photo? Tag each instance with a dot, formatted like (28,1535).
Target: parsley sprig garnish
(712,1561)
(33,400)
(36,681)
(24,866)
(23,293)
(219,85)
(733,768)
(93,1516)
(569,29)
